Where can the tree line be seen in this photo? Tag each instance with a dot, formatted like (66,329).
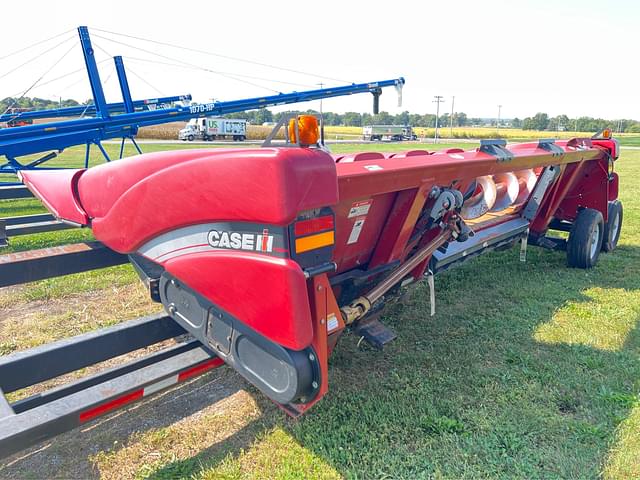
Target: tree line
(540,121)
(35,103)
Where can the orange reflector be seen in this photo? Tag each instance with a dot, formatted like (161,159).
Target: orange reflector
(307,128)
(313,225)
(606,133)
(312,242)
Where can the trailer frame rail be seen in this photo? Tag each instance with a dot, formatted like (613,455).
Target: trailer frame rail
(38,417)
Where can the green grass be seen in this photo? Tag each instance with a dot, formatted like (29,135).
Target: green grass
(527,370)
(630,141)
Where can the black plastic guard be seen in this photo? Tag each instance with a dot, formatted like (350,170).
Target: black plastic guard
(284,375)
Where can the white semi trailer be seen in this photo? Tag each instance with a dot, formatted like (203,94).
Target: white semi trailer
(388,132)
(214,129)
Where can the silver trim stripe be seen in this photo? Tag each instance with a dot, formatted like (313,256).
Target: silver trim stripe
(195,239)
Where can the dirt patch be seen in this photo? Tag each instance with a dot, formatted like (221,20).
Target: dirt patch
(29,324)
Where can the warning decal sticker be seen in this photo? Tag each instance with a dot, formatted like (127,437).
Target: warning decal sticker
(332,322)
(359,209)
(355,231)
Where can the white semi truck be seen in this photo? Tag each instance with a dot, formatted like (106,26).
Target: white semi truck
(388,132)
(214,129)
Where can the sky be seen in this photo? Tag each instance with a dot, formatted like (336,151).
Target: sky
(573,57)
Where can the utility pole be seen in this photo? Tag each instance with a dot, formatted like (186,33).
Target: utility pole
(438,100)
(322,118)
(321,85)
(498,122)
(453,99)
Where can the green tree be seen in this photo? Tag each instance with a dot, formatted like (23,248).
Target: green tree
(540,121)
(383,118)
(352,119)
(401,118)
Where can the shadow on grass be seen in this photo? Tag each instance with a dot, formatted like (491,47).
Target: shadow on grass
(471,392)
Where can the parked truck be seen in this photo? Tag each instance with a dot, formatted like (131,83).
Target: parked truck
(394,133)
(213,129)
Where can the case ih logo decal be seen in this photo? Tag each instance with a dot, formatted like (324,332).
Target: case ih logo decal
(241,241)
(205,237)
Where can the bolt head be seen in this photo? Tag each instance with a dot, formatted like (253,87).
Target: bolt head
(314,384)
(312,357)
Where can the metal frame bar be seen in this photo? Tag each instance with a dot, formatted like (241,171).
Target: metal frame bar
(29,224)
(22,369)
(63,409)
(85,110)
(22,267)
(14,192)
(99,100)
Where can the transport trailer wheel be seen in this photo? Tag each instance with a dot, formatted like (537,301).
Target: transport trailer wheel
(585,239)
(190,138)
(612,227)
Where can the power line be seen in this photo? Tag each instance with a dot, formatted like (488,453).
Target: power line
(69,74)
(34,45)
(186,63)
(34,58)
(54,65)
(228,57)
(143,80)
(136,59)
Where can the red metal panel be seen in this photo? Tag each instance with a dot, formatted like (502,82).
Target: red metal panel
(590,189)
(265,185)
(57,190)
(269,294)
(400,225)
(324,309)
(349,255)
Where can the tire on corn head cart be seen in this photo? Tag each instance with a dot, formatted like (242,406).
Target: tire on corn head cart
(613,226)
(585,239)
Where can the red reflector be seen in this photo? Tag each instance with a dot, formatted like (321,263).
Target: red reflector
(111,405)
(197,370)
(313,225)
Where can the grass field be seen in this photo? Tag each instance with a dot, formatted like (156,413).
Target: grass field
(527,370)
(257,132)
(474,133)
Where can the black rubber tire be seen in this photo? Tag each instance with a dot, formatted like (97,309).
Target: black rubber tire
(612,228)
(582,252)
(190,138)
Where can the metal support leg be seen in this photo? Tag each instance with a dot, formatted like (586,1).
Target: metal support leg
(104,152)
(432,292)
(135,144)
(5,408)
(3,234)
(41,160)
(122,147)
(523,246)
(86,156)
